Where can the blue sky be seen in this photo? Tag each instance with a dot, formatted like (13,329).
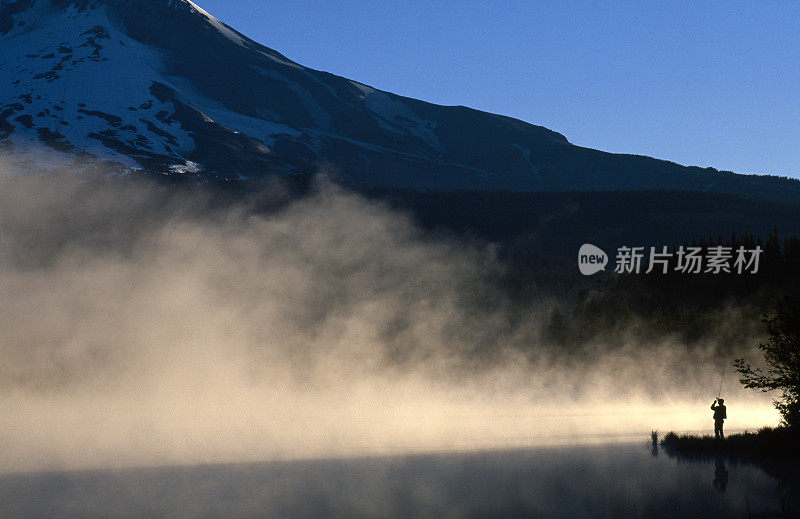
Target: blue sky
(700,83)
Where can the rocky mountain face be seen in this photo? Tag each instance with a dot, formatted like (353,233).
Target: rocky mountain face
(162,86)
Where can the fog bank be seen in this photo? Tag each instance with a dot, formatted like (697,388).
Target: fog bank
(147,325)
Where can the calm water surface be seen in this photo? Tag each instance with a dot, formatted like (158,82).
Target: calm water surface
(628,480)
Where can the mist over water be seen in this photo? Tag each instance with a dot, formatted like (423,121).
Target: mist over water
(148,325)
(621,481)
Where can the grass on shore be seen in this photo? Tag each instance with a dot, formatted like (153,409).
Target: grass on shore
(768,442)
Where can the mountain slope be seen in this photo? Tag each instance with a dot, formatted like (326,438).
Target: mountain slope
(164,86)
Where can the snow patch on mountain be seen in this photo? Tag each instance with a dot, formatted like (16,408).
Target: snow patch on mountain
(393,113)
(265,130)
(163,86)
(82,85)
(186,167)
(526,154)
(221,27)
(284,62)
(365,89)
(321,117)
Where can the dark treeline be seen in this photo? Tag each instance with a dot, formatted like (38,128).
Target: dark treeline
(690,306)
(537,236)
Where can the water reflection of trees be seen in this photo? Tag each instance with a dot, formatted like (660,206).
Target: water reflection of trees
(785,472)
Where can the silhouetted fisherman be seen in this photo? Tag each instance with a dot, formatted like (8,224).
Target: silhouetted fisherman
(720,414)
(654,441)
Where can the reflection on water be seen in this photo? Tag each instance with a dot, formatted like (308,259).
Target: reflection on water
(605,481)
(720,473)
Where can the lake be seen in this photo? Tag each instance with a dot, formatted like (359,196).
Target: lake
(620,480)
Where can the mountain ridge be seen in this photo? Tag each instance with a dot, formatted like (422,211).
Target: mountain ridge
(164,86)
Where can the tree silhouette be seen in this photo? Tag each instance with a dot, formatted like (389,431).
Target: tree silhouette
(782,359)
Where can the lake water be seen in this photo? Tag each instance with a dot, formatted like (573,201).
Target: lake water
(622,480)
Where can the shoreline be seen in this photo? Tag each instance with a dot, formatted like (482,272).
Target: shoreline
(775,443)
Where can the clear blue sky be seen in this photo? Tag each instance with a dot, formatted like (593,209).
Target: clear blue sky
(700,83)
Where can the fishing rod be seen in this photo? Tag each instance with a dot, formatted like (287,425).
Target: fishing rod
(719,393)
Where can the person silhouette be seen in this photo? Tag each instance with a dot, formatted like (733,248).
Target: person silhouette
(720,414)
(720,473)
(654,441)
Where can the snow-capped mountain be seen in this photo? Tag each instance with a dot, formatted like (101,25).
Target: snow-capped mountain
(162,85)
